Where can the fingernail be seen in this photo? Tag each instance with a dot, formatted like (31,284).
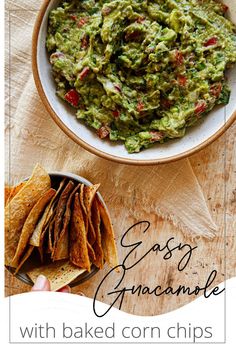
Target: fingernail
(41,283)
(80,293)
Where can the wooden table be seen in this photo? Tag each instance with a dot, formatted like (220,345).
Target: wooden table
(215,168)
(208,165)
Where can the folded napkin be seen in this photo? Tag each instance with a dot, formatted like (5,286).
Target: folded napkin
(170,191)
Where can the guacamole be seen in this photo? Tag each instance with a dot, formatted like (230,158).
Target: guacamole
(141,72)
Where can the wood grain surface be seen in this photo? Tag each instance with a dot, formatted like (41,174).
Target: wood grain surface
(215,168)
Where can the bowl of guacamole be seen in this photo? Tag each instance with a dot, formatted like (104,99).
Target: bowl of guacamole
(137,81)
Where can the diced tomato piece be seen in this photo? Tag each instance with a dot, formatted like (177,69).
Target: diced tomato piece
(200,107)
(216,89)
(72,97)
(103,132)
(140,106)
(82,21)
(84,42)
(179,58)
(182,80)
(84,73)
(210,42)
(74,17)
(225,8)
(116,114)
(156,136)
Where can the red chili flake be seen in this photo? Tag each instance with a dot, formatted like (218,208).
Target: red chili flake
(141,19)
(210,42)
(103,132)
(84,42)
(106,11)
(72,97)
(179,58)
(140,106)
(117,87)
(182,80)
(216,89)
(225,8)
(82,21)
(84,73)
(74,17)
(116,114)
(166,103)
(200,107)
(156,136)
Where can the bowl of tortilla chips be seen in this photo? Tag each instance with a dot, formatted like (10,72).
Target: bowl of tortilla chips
(57,224)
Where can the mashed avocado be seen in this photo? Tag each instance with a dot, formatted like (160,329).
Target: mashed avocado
(141,71)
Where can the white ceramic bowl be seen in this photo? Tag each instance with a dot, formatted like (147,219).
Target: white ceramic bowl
(210,128)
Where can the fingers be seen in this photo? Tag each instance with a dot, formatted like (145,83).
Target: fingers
(41,284)
(65,289)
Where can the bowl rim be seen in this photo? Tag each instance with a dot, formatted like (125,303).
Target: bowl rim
(84,144)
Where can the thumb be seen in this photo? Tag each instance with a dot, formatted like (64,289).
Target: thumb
(41,284)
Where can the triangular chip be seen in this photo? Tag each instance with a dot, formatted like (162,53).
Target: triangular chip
(50,234)
(59,273)
(30,224)
(108,236)
(81,196)
(36,236)
(60,210)
(26,255)
(91,253)
(62,247)
(36,239)
(18,209)
(48,225)
(99,261)
(10,192)
(7,193)
(78,241)
(91,235)
(89,193)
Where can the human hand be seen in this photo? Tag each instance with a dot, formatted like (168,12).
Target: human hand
(43,284)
